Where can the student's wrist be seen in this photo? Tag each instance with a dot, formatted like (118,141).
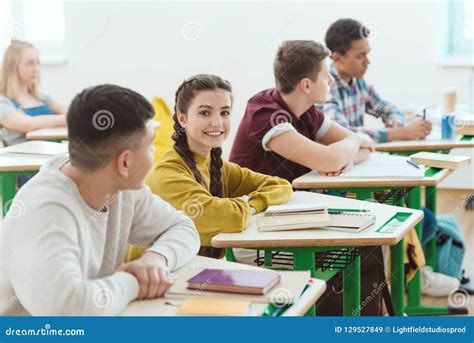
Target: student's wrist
(395,134)
(155,258)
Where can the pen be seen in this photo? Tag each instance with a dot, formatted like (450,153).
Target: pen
(413,164)
(424,114)
(346,210)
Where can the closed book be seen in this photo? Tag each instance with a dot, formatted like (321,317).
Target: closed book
(350,221)
(234,281)
(213,307)
(295,209)
(437,160)
(293,221)
(465,125)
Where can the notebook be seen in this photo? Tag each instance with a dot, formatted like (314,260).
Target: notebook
(234,281)
(350,221)
(213,307)
(298,221)
(289,288)
(37,148)
(437,160)
(385,166)
(293,209)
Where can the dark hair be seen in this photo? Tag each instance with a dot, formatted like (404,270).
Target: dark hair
(184,95)
(342,33)
(296,60)
(102,120)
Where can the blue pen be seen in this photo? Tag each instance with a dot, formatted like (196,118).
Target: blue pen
(413,164)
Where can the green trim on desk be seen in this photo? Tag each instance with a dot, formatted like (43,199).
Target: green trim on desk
(399,217)
(467,138)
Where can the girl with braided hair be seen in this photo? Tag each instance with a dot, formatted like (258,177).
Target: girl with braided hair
(218,195)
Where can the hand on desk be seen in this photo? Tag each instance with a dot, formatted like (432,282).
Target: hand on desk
(252,209)
(152,273)
(366,142)
(343,170)
(417,129)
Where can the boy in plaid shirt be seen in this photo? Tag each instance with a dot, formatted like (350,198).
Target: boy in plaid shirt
(351,97)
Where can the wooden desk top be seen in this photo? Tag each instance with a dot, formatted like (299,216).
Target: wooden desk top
(48,134)
(252,238)
(28,156)
(313,179)
(167,307)
(428,144)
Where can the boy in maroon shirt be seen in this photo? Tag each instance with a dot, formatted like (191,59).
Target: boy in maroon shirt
(283,134)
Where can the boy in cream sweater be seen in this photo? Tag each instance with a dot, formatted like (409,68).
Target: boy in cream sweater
(62,252)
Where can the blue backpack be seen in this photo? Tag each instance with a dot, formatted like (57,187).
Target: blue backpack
(450,244)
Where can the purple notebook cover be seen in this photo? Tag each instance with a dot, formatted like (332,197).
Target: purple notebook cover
(240,278)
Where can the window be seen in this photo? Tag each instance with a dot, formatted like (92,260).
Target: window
(40,22)
(458,41)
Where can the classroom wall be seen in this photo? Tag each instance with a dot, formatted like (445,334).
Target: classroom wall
(151,47)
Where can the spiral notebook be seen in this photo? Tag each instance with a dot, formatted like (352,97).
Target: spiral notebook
(350,221)
(295,221)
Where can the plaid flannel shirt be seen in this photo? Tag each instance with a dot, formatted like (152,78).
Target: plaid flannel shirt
(350,101)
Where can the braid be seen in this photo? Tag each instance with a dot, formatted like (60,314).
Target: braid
(216,172)
(181,144)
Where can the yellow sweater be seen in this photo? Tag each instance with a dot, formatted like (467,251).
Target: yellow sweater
(173,181)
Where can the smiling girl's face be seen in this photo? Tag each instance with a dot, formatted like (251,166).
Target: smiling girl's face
(207,122)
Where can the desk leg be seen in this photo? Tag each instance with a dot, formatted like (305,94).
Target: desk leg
(397,279)
(351,287)
(414,286)
(430,248)
(267,258)
(8,190)
(364,195)
(229,255)
(304,260)
(414,307)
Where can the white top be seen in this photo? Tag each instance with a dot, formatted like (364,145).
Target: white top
(58,256)
(285,127)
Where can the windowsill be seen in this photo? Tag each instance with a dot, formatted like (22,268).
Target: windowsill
(455,62)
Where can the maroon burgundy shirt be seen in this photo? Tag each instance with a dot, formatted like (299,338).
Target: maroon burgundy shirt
(265,110)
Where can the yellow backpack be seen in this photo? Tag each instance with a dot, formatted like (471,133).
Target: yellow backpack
(162,143)
(163,132)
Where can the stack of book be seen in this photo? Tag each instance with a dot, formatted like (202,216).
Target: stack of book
(313,216)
